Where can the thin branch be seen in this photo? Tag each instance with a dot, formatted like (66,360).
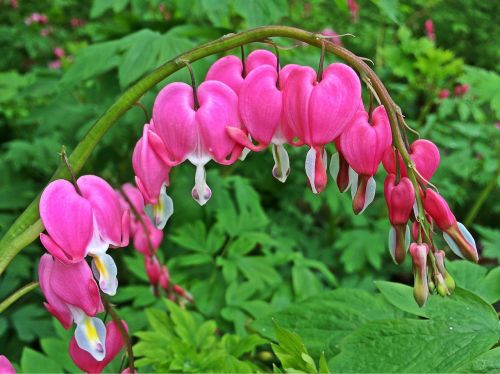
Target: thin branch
(64,159)
(17,295)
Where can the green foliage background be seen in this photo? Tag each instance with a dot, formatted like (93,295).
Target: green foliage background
(261,251)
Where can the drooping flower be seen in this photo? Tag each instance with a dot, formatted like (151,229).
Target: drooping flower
(152,179)
(89,223)
(455,233)
(317,111)
(461,90)
(354,10)
(419,254)
(5,366)
(443,94)
(153,270)
(231,71)
(334,37)
(363,144)
(399,198)
(424,154)
(73,296)
(260,105)
(196,131)
(429,29)
(113,346)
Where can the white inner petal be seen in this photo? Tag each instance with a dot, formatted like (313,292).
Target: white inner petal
(90,335)
(311,168)
(281,168)
(451,243)
(392,243)
(467,235)
(353,182)
(105,271)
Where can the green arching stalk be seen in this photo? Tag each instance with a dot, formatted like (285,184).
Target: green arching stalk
(28,225)
(17,295)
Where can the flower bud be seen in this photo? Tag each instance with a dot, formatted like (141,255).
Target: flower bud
(455,234)
(153,269)
(419,254)
(442,289)
(448,279)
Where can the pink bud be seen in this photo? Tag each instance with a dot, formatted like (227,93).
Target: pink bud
(455,234)
(461,90)
(56,64)
(76,22)
(114,344)
(399,198)
(424,154)
(164,278)
(443,94)
(429,29)
(319,111)
(58,52)
(5,366)
(135,197)
(229,69)
(144,237)
(153,269)
(150,171)
(65,285)
(419,254)
(438,209)
(334,37)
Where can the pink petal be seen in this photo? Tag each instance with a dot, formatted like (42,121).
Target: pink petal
(75,285)
(227,70)
(149,169)
(114,344)
(174,120)
(105,207)
(5,366)
(297,92)
(426,157)
(333,103)
(55,305)
(134,196)
(67,217)
(141,237)
(258,58)
(260,104)
(218,110)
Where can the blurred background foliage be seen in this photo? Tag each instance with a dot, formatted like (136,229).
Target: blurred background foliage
(258,247)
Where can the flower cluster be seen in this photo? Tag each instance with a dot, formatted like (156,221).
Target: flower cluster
(84,219)
(147,237)
(249,105)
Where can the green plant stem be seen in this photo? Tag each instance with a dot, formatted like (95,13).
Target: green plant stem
(17,295)
(27,226)
(126,338)
(482,198)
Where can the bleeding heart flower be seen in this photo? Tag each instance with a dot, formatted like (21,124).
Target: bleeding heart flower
(363,144)
(113,346)
(229,69)
(152,179)
(73,296)
(424,154)
(318,111)
(429,29)
(153,269)
(399,198)
(147,239)
(89,223)
(183,131)
(260,105)
(419,254)
(5,366)
(455,234)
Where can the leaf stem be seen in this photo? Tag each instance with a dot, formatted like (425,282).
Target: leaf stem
(17,295)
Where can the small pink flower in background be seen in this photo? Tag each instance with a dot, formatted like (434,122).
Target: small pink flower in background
(334,37)
(5,366)
(497,125)
(14,4)
(443,94)
(46,31)
(461,90)
(58,52)
(429,29)
(38,18)
(77,22)
(113,346)
(354,10)
(56,64)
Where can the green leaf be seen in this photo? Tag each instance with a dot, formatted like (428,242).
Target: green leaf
(323,320)
(397,295)
(261,12)
(291,351)
(35,362)
(488,362)
(460,328)
(390,8)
